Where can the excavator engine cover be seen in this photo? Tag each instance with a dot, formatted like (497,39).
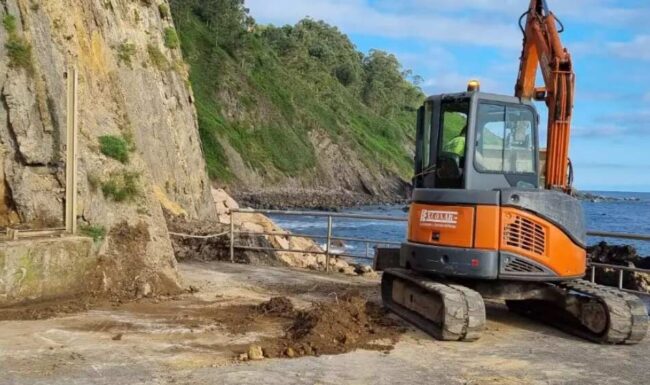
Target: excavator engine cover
(514,234)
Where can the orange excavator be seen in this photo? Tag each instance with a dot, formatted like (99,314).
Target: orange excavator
(486,222)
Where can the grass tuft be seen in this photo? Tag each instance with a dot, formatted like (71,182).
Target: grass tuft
(163,9)
(122,186)
(18,49)
(114,147)
(9,23)
(158,58)
(125,53)
(171,38)
(97,233)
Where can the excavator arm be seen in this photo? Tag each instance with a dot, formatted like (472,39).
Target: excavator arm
(543,49)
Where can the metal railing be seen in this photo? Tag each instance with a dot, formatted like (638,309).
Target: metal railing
(620,270)
(329,238)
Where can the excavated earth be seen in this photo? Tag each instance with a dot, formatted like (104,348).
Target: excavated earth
(330,325)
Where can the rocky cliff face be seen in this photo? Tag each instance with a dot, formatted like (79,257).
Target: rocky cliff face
(133,87)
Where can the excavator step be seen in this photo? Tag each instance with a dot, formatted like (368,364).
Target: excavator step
(597,313)
(446,311)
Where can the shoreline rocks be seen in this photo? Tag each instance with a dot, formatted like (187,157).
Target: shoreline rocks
(311,199)
(596,198)
(217,248)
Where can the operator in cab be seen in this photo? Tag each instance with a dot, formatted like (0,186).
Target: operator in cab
(457,144)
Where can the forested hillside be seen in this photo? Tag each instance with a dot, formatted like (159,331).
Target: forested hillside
(295,106)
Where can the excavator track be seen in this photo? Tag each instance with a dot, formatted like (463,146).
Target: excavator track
(597,313)
(446,311)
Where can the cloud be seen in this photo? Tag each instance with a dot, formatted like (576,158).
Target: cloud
(442,75)
(603,12)
(358,16)
(637,48)
(629,123)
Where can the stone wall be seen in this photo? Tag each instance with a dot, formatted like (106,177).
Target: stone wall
(44,269)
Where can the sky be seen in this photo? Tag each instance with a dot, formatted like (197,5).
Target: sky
(448,42)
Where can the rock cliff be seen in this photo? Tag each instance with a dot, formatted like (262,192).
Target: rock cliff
(134,93)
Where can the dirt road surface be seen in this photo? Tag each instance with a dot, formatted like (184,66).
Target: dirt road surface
(181,341)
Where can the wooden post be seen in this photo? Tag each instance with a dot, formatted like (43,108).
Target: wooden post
(71,153)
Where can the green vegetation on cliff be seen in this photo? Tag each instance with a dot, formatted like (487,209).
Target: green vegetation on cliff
(261,90)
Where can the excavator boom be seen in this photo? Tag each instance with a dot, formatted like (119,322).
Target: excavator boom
(543,49)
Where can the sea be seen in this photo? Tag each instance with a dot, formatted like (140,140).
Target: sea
(628,213)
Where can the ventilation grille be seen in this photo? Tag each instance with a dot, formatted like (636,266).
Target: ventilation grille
(526,235)
(520,266)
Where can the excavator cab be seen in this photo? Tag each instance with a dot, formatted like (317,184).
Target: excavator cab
(478,211)
(477,141)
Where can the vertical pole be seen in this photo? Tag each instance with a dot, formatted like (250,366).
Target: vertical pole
(71,153)
(232,236)
(620,279)
(329,242)
(593,274)
(367,250)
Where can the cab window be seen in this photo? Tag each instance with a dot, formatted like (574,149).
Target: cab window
(505,139)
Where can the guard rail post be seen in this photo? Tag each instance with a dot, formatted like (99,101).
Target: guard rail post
(329,242)
(232,236)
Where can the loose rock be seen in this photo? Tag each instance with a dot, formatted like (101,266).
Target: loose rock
(255,353)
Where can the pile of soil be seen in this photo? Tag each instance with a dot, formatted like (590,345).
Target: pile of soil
(344,324)
(276,306)
(45,310)
(621,255)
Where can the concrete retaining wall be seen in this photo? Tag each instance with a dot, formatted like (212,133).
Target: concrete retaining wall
(43,269)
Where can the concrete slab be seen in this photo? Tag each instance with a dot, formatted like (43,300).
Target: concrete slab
(163,342)
(43,269)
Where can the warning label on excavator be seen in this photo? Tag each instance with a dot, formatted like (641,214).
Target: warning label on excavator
(440,218)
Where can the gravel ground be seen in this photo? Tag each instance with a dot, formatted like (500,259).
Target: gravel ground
(163,341)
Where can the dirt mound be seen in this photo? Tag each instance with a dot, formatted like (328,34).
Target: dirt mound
(45,310)
(345,323)
(348,323)
(277,306)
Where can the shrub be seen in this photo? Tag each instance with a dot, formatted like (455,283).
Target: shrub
(18,49)
(20,53)
(9,22)
(125,53)
(157,57)
(164,11)
(97,233)
(122,186)
(93,181)
(171,38)
(115,147)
